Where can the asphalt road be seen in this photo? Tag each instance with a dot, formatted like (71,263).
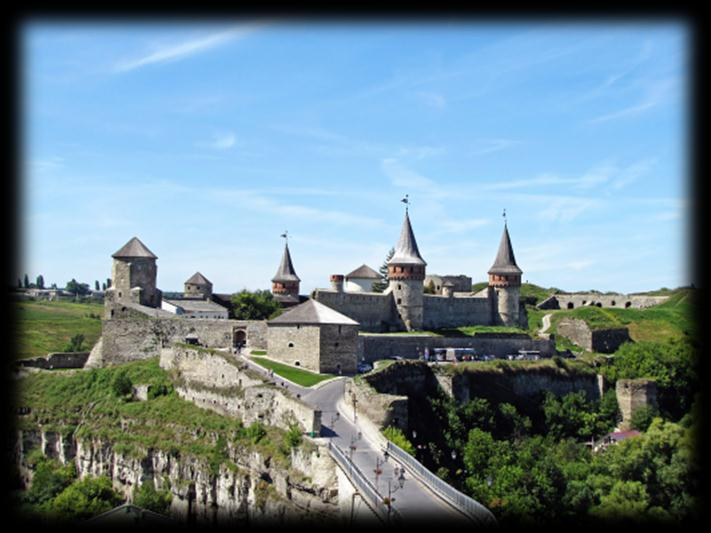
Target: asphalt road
(413,500)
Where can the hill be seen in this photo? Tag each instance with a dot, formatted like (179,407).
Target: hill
(44,326)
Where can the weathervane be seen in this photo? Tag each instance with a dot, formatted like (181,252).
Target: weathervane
(406,201)
(285,235)
(504,215)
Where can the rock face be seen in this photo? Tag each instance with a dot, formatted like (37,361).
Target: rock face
(606,340)
(256,491)
(633,394)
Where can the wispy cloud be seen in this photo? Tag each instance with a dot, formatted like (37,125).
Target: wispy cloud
(220,141)
(431,99)
(178,51)
(656,93)
(489,146)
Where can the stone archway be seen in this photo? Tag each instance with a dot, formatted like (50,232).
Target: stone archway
(239,337)
(571,305)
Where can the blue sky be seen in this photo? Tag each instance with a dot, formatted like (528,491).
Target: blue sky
(208,140)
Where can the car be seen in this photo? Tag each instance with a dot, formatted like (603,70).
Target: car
(364,367)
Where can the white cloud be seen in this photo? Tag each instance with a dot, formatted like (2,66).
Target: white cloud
(185,49)
(657,92)
(434,100)
(222,141)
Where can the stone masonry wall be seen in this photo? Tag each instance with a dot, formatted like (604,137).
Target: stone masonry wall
(57,360)
(374,347)
(372,311)
(218,382)
(606,340)
(633,394)
(445,312)
(295,343)
(562,301)
(339,346)
(125,340)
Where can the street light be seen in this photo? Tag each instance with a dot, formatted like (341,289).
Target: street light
(400,484)
(454,455)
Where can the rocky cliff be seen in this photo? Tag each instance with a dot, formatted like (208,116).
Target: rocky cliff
(250,487)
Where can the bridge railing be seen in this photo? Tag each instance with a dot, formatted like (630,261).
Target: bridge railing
(363,485)
(470,507)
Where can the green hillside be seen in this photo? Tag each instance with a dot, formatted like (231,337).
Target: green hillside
(44,327)
(674,319)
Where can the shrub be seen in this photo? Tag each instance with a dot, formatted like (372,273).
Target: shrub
(121,385)
(149,498)
(293,437)
(397,437)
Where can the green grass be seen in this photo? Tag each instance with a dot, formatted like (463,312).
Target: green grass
(85,404)
(44,327)
(296,375)
(673,319)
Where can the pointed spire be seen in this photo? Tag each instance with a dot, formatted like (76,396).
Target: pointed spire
(286,268)
(505,262)
(406,251)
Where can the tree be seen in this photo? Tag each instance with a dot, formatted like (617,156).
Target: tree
(108,283)
(75,343)
(429,288)
(258,305)
(382,284)
(86,498)
(27,282)
(40,282)
(19,283)
(79,289)
(149,498)
(96,285)
(103,286)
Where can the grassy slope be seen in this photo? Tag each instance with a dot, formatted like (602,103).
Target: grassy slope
(674,319)
(298,376)
(44,327)
(83,401)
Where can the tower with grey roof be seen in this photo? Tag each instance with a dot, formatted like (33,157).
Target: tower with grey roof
(285,283)
(505,283)
(133,275)
(198,286)
(406,274)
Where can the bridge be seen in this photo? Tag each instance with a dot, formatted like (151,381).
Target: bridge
(394,485)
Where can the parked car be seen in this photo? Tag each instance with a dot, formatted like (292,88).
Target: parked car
(364,367)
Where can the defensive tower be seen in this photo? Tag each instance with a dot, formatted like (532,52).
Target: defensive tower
(505,283)
(133,275)
(285,283)
(406,274)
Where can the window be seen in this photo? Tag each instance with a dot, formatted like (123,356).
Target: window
(291,345)
(399,287)
(335,345)
(399,301)
(339,329)
(297,363)
(570,305)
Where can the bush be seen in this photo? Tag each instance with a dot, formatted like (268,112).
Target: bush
(85,498)
(149,498)
(75,343)
(397,437)
(121,385)
(293,437)
(256,432)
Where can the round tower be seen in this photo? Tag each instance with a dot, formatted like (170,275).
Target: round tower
(406,275)
(285,282)
(337,282)
(198,286)
(505,284)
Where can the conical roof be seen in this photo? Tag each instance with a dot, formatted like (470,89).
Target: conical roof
(363,272)
(406,252)
(313,312)
(134,248)
(505,262)
(198,279)
(286,270)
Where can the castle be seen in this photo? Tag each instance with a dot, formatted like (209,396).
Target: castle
(403,305)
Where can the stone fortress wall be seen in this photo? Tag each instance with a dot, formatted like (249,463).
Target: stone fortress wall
(373,311)
(219,382)
(373,347)
(606,340)
(623,301)
(454,311)
(130,339)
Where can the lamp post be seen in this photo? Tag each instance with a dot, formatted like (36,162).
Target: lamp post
(400,484)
